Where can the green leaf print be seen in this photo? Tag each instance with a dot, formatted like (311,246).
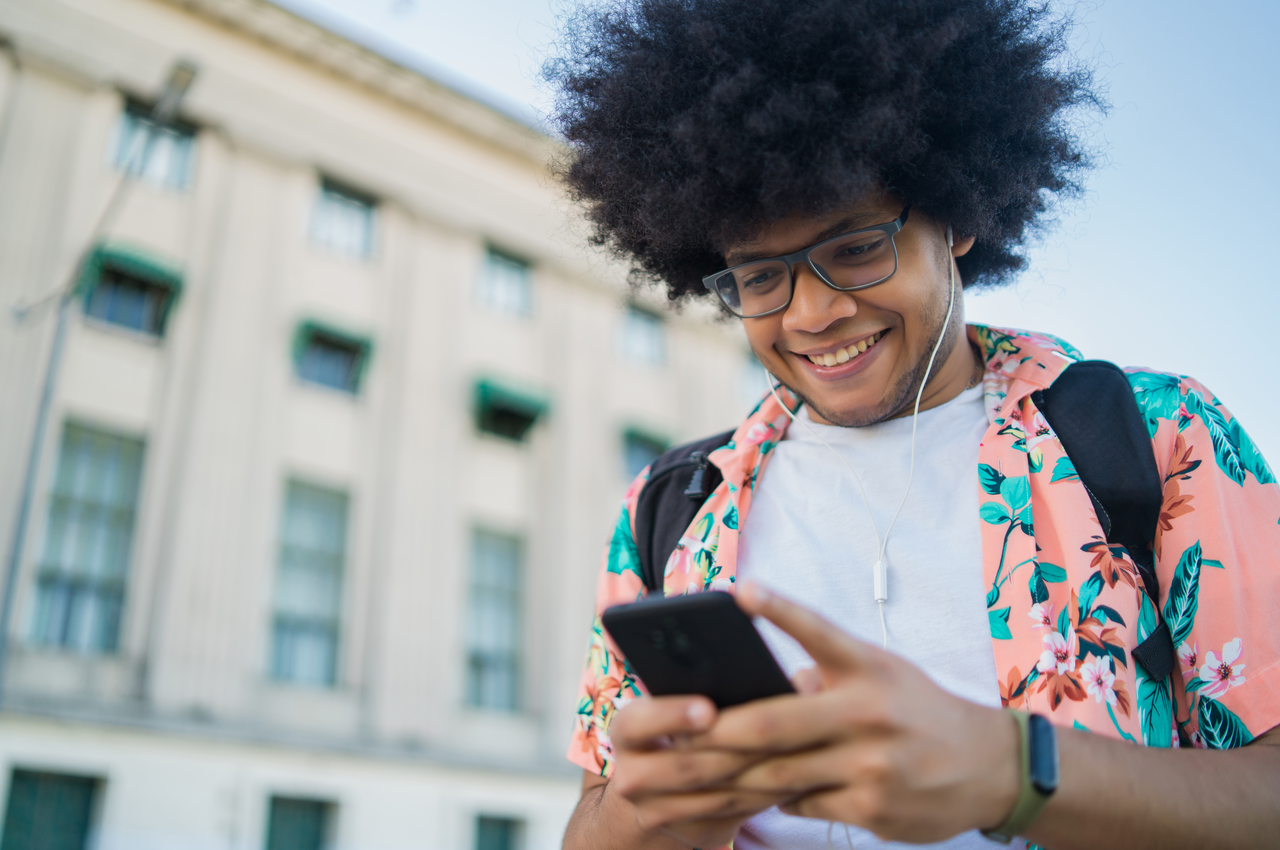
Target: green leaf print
(1147,621)
(1217,565)
(994,513)
(731,517)
(990,478)
(1035,460)
(1064,622)
(1250,456)
(1015,491)
(1052,573)
(623,556)
(1158,397)
(1184,595)
(1088,593)
(1000,624)
(1220,728)
(1064,470)
(1225,450)
(1036,586)
(993,596)
(1024,519)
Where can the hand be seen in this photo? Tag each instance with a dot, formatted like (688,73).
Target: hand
(870,740)
(678,790)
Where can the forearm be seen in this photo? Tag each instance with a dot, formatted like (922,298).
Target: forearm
(605,821)
(1113,794)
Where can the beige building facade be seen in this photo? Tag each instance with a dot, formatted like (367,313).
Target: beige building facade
(344,415)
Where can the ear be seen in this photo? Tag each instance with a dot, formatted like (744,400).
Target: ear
(962,245)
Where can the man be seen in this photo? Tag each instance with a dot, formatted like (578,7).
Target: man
(918,547)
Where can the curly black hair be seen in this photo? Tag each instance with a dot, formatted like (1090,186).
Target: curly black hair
(695,123)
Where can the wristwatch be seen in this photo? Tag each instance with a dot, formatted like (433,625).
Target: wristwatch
(1038,755)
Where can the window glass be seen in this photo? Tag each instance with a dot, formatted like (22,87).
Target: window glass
(47,811)
(308,593)
(81,575)
(342,220)
(505,284)
(498,833)
(640,450)
(122,299)
(643,337)
(297,824)
(493,622)
(161,154)
(329,361)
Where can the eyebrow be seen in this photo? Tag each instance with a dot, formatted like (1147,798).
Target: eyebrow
(855,221)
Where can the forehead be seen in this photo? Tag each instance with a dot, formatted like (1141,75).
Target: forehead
(799,231)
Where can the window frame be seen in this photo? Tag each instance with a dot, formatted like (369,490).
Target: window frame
(485,289)
(130,262)
(134,119)
(625,347)
(514,654)
(348,196)
(492,395)
(334,622)
(310,329)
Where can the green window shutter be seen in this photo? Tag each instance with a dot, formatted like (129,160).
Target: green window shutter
(143,275)
(297,824)
(507,410)
(330,356)
(47,811)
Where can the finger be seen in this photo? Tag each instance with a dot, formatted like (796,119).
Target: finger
(807,681)
(794,722)
(647,722)
(667,811)
(644,774)
(820,769)
(830,647)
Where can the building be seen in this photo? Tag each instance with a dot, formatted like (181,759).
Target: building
(345,411)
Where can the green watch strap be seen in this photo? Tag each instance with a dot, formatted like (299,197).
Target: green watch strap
(1030,801)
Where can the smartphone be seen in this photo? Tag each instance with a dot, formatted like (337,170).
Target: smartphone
(700,643)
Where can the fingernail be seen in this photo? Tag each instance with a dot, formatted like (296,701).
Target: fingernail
(699,714)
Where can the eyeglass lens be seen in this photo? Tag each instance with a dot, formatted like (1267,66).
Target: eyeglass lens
(846,262)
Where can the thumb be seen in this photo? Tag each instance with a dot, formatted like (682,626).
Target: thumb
(833,650)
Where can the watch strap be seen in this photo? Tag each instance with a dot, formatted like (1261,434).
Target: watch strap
(1030,800)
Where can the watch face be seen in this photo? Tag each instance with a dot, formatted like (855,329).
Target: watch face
(1043,747)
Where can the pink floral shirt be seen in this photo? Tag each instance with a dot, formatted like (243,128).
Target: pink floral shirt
(1066,609)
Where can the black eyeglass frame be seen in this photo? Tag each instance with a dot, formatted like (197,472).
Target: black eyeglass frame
(889,228)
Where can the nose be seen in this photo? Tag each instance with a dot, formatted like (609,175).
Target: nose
(814,305)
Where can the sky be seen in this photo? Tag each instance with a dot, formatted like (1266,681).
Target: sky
(1166,262)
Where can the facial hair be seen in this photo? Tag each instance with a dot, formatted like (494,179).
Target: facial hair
(901,396)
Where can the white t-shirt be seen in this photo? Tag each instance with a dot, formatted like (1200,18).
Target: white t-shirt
(808,537)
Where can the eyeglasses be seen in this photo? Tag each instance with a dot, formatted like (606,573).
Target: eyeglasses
(848,262)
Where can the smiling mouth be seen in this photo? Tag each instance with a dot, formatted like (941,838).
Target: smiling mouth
(844,355)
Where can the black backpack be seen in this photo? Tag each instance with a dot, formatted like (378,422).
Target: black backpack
(1090,407)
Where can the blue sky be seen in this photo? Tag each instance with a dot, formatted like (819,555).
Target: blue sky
(1169,261)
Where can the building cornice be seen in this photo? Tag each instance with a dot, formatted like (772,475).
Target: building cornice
(362,58)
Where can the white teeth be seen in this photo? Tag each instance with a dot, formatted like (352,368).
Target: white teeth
(846,354)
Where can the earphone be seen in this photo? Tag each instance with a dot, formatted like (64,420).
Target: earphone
(880,572)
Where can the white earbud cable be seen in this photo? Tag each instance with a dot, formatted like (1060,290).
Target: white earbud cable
(880,579)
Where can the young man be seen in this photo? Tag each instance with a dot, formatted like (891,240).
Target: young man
(834,172)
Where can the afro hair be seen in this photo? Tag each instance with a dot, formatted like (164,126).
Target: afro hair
(695,123)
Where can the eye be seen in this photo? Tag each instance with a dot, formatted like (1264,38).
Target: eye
(760,280)
(858,252)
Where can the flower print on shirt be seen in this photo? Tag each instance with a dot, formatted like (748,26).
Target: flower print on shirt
(1222,675)
(1099,681)
(1059,654)
(1189,654)
(1041,615)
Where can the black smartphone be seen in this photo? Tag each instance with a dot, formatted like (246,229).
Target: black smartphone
(700,643)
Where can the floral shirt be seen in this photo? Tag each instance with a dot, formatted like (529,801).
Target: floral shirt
(1066,609)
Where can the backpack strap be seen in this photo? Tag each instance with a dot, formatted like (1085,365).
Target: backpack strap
(680,480)
(1092,410)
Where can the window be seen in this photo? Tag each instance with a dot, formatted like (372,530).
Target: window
(161,154)
(342,220)
(493,621)
(643,338)
(639,450)
(507,411)
(498,833)
(81,575)
(308,594)
(298,824)
(505,284)
(330,357)
(125,287)
(48,811)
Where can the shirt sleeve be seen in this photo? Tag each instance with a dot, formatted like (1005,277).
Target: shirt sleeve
(607,684)
(1217,550)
